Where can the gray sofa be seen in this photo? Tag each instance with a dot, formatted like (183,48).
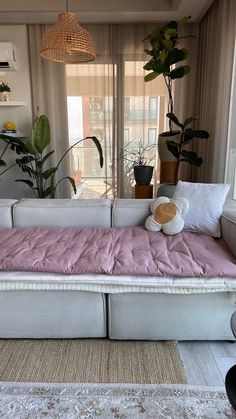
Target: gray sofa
(34,305)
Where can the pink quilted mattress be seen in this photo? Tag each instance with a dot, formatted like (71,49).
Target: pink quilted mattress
(114,251)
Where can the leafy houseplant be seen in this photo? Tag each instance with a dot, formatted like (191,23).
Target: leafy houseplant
(42,181)
(165,55)
(4,87)
(14,144)
(136,155)
(187,135)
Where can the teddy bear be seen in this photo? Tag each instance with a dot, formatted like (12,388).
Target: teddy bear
(167,214)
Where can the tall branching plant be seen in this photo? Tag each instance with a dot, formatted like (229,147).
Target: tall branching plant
(165,55)
(42,181)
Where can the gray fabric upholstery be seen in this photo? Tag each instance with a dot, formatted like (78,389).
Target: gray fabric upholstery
(52,314)
(6,206)
(62,213)
(228,224)
(130,212)
(171,316)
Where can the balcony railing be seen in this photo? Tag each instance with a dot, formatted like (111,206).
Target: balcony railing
(132,115)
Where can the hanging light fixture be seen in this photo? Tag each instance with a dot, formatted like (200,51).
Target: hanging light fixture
(67,41)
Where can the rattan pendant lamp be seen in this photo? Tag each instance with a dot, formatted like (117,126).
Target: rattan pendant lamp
(67,41)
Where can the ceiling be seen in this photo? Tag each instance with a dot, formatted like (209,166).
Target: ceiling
(101,11)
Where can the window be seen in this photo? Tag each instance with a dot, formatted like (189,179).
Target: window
(152,135)
(94,108)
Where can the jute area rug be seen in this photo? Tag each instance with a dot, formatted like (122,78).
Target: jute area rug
(90,361)
(35,400)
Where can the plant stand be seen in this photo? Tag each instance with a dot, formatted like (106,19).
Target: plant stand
(143,191)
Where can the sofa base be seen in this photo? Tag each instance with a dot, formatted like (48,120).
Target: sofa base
(171,316)
(52,314)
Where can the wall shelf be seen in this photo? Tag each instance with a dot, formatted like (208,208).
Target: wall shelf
(13,103)
(17,134)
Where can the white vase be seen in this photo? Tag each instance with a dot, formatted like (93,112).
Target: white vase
(4,97)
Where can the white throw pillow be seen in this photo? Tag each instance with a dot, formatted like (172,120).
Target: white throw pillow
(206,202)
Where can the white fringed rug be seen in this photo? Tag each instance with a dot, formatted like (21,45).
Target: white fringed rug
(119,401)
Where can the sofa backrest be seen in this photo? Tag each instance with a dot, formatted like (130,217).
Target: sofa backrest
(228,224)
(6,206)
(130,212)
(62,213)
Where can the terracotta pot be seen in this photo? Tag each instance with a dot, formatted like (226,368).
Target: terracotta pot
(168,161)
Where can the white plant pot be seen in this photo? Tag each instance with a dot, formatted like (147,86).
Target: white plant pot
(4,96)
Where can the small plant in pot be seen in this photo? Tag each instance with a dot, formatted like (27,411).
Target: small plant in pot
(137,155)
(4,90)
(165,55)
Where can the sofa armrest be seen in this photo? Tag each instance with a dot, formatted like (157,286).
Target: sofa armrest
(228,224)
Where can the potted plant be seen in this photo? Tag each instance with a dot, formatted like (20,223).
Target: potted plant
(4,89)
(35,157)
(165,55)
(42,181)
(177,148)
(137,154)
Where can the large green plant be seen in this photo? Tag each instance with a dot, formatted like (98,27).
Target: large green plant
(187,135)
(165,54)
(42,181)
(11,143)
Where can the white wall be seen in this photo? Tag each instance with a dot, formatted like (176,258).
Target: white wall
(22,115)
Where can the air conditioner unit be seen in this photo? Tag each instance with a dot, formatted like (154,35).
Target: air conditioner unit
(7,57)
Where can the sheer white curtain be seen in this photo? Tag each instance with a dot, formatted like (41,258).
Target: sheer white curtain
(214,84)
(49,97)
(230,173)
(112,101)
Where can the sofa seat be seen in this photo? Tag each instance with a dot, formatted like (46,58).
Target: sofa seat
(163,316)
(52,314)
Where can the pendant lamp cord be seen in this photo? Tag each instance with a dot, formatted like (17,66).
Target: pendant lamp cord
(67,6)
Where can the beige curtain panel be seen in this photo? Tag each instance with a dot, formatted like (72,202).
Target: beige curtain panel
(49,97)
(213,90)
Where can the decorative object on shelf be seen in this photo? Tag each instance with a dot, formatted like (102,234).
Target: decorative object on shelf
(4,91)
(137,155)
(42,182)
(165,54)
(67,41)
(10,126)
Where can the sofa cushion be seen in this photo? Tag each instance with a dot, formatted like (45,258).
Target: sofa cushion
(62,213)
(130,212)
(6,212)
(206,201)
